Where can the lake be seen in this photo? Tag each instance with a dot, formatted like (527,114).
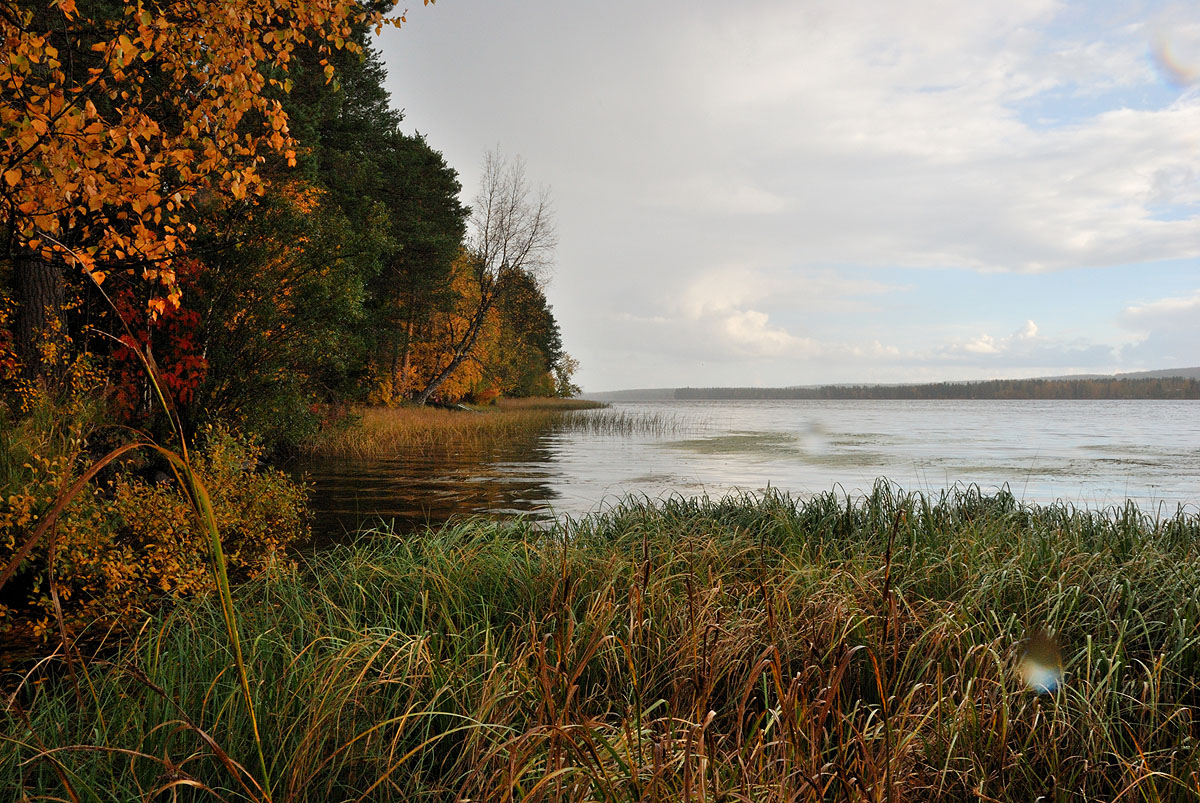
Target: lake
(1092,454)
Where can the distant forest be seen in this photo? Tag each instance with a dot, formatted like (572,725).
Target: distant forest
(1103,388)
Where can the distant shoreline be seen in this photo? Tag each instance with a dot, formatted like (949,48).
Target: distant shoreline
(998,389)
(1183,384)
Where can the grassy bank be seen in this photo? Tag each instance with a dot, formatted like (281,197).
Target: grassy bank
(744,649)
(383,431)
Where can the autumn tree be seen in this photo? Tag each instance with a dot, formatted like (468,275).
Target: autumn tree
(438,334)
(564,376)
(512,231)
(115,117)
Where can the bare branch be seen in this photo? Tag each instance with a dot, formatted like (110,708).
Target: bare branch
(512,232)
(512,226)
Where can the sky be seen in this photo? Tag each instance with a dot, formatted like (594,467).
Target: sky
(782,193)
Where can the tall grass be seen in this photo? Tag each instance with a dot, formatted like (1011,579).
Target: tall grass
(751,648)
(626,423)
(74,480)
(390,431)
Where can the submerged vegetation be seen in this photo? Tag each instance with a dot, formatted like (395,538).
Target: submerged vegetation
(751,648)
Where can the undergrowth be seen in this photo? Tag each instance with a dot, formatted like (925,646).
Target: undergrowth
(124,543)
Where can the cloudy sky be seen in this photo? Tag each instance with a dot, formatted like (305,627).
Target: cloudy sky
(792,192)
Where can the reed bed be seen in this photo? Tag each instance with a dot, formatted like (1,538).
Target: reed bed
(383,431)
(742,649)
(626,423)
(388,431)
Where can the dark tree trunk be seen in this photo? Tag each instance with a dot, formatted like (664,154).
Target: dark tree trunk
(395,373)
(406,366)
(41,296)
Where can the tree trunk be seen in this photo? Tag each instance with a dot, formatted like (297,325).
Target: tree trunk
(406,367)
(437,381)
(395,372)
(38,324)
(461,352)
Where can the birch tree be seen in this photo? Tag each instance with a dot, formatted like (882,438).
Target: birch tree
(511,231)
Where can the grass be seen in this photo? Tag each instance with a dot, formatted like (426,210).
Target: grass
(384,431)
(750,648)
(627,423)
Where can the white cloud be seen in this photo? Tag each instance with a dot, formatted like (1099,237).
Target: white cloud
(1026,352)
(1167,332)
(709,167)
(984,344)
(987,344)
(737,286)
(730,309)
(1182,312)
(752,331)
(897,135)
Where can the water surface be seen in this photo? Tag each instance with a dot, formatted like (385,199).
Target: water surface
(1090,453)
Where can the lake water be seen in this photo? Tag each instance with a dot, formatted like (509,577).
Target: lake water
(1093,454)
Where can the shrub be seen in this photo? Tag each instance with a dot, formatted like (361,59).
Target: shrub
(126,543)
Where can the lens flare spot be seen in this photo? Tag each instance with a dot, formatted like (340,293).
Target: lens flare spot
(1041,664)
(1177,55)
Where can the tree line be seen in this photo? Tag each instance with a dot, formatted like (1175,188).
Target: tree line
(1075,389)
(226,188)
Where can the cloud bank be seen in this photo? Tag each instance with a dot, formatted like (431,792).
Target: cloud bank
(787,193)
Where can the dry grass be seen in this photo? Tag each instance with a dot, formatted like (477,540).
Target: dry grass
(388,431)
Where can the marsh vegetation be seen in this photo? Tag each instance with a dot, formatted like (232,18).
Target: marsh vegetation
(373,432)
(749,648)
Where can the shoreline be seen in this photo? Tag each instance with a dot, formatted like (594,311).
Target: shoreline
(370,431)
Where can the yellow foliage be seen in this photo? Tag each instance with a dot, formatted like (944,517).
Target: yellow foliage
(434,344)
(120,547)
(79,376)
(188,107)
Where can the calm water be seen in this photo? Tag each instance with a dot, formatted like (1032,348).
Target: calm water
(1093,454)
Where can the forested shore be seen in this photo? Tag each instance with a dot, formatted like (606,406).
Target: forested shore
(221,248)
(276,241)
(1178,388)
